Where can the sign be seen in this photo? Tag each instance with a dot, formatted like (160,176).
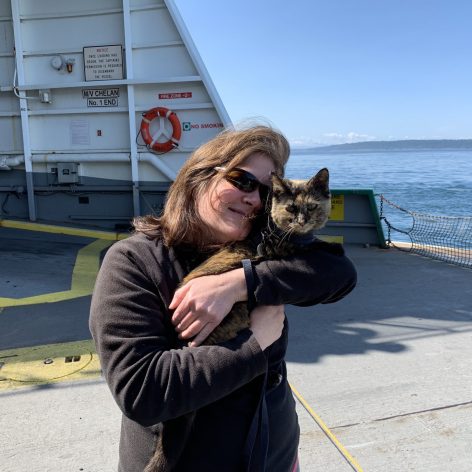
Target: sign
(102,102)
(187,126)
(104,97)
(103,62)
(79,133)
(337,208)
(172,95)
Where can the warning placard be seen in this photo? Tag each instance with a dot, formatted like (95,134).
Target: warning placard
(103,62)
(80,132)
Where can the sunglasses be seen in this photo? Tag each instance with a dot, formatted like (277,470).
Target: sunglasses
(244,181)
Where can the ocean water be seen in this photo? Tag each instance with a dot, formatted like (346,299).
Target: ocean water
(435,182)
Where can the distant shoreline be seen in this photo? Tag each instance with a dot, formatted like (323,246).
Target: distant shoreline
(402,145)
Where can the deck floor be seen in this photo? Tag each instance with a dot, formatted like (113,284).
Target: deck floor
(387,370)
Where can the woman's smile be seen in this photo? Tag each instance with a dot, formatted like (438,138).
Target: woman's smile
(228,211)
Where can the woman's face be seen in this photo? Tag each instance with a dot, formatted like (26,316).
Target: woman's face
(227,210)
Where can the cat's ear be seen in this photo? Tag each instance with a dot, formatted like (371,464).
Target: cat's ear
(279,185)
(320,182)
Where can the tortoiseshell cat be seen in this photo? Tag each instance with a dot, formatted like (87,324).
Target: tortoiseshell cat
(298,209)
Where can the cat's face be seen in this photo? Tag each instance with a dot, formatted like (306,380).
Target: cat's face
(301,206)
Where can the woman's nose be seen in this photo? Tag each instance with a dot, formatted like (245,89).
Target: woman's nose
(253,198)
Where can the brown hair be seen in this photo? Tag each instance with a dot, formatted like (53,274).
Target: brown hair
(180,221)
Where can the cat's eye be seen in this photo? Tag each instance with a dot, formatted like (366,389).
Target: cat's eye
(291,208)
(312,207)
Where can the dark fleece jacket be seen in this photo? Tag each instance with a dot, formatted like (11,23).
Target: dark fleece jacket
(153,379)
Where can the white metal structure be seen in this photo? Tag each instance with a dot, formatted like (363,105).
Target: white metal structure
(75,79)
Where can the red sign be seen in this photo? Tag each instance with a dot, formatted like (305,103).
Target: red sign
(175,95)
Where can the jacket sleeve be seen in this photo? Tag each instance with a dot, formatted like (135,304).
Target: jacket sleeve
(150,380)
(317,276)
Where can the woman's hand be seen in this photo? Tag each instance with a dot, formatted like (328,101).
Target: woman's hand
(202,303)
(267,322)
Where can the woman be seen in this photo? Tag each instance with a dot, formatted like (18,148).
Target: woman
(246,416)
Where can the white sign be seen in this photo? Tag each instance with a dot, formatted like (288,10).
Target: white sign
(103,62)
(104,97)
(80,132)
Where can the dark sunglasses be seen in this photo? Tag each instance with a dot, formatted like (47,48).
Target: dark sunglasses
(244,181)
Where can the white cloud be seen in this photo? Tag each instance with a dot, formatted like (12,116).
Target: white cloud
(351,137)
(305,141)
(329,138)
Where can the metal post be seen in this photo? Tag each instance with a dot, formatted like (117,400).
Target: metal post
(15,10)
(131,108)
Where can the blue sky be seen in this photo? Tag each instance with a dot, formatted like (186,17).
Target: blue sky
(337,71)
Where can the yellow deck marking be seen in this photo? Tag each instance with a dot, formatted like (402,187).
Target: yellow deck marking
(86,233)
(331,238)
(352,462)
(50,363)
(83,278)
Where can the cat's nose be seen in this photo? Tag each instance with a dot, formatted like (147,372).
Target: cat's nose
(301,220)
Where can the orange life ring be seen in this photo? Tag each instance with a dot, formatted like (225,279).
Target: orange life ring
(151,140)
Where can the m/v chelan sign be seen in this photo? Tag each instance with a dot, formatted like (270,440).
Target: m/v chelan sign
(102,97)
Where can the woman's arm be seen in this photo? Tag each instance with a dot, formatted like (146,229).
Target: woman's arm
(309,278)
(150,379)
(201,304)
(318,276)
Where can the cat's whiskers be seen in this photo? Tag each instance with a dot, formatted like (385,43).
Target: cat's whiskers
(272,230)
(286,235)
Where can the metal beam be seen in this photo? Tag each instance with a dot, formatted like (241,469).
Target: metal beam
(131,107)
(15,9)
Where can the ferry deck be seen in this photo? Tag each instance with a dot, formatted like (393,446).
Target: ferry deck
(382,378)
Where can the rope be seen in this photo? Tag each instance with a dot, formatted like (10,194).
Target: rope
(344,452)
(445,238)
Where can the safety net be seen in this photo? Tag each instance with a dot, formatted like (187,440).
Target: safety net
(445,238)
